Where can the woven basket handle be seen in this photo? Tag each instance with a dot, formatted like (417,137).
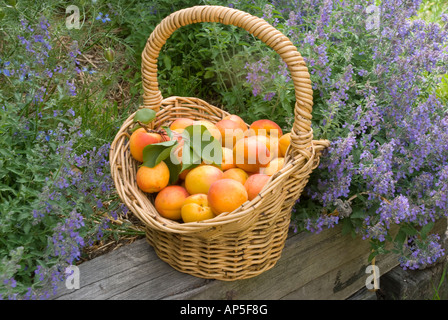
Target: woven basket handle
(301,132)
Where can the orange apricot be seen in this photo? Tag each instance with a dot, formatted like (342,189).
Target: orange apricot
(140,138)
(153,179)
(255,183)
(169,201)
(199,179)
(226,195)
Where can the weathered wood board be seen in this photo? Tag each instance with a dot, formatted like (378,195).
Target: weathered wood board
(328,265)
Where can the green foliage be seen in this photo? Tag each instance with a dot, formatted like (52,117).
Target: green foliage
(208,60)
(431,10)
(61,104)
(144,116)
(198,146)
(56,123)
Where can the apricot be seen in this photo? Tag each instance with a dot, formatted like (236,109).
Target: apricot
(180,124)
(251,154)
(177,134)
(152,180)
(211,127)
(199,179)
(255,183)
(226,195)
(266,127)
(169,201)
(230,132)
(196,208)
(273,167)
(176,154)
(271,143)
(227,159)
(237,119)
(284,142)
(140,138)
(183,174)
(237,174)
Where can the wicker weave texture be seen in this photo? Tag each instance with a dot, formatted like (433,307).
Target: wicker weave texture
(245,242)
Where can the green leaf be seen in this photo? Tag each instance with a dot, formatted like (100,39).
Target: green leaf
(150,155)
(212,152)
(409,230)
(373,255)
(400,237)
(152,152)
(4,187)
(189,157)
(203,143)
(346,226)
(135,128)
(361,197)
(167,61)
(358,213)
(27,227)
(168,131)
(168,143)
(380,140)
(175,170)
(164,154)
(209,74)
(193,135)
(425,229)
(23,216)
(145,115)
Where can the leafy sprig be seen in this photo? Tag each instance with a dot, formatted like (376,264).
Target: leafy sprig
(197,145)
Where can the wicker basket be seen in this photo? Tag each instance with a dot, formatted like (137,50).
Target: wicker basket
(248,241)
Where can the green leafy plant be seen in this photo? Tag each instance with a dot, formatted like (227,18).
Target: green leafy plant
(57,199)
(196,144)
(437,295)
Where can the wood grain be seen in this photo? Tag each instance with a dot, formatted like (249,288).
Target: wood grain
(328,265)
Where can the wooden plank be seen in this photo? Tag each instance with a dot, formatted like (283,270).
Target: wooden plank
(401,284)
(131,272)
(313,266)
(364,294)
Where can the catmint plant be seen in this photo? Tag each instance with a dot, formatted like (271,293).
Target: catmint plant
(377,99)
(56,192)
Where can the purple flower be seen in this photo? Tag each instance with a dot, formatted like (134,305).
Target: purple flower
(283,71)
(268,96)
(71,88)
(310,38)
(419,253)
(267,12)
(323,22)
(40,272)
(256,76)
(322,221)
(104,18)
(71,112)
(363,72)
(66,238)
(339,163)
(444,17)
